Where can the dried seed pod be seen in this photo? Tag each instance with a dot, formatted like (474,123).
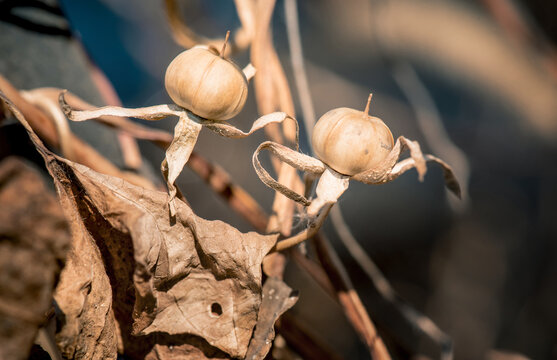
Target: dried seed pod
(206,83)
(351,141)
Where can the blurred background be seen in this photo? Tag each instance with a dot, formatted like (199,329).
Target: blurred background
(475,82)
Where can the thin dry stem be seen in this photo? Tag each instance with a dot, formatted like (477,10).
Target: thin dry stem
(298,68)
(224,44)
(366,110)
(366,263)
(349,299)
(123,124)
(309,232)
(272,93)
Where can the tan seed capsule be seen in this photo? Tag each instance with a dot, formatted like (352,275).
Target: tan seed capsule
(350,141)
(206,84)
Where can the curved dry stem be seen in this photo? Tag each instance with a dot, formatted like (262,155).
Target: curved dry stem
(292,158)
(152,113)
(187,38)
(310,231)
(50,107)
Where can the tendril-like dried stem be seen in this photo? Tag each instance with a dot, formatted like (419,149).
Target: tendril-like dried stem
(292,158)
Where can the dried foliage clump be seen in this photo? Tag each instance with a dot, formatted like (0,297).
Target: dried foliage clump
(131,271)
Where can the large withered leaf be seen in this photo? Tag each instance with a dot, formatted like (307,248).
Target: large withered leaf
(194,276)
(190,276)
(34,239)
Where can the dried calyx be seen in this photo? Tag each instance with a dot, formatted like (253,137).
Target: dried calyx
(351,145)
(203,81)
(207,89)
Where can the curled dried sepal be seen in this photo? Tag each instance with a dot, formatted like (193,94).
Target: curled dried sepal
(152,113)
(249,71)
(390,169)
(380,173)
(294,159)
(230,131)
(185,133)
(178,154)
(332,184)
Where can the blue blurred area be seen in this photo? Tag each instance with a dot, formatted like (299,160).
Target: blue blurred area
(102,33)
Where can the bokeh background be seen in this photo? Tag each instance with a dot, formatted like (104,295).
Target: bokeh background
(484,270)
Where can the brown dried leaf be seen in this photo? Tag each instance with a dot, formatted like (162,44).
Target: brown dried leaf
(192,276)
(84,296)
(277,298)
(34,239)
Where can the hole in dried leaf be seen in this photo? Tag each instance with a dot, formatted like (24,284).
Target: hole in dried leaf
(216,310)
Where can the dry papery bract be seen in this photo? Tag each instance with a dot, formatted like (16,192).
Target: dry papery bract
(364,136)
(185,133)
(190,283)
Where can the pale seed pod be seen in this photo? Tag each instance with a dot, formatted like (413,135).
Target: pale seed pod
(351,141)
(206,83)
